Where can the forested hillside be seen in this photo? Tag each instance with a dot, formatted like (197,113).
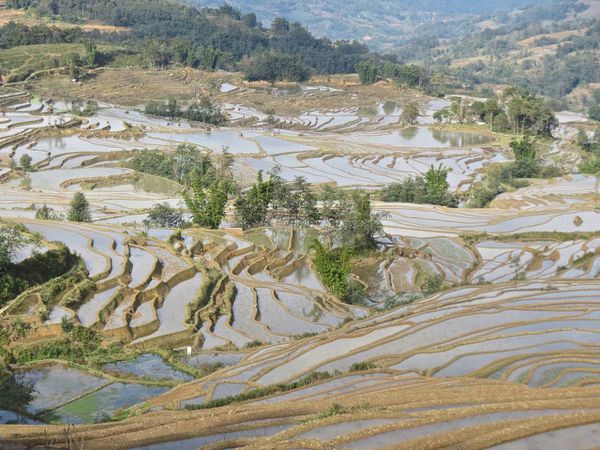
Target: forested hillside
(167,31)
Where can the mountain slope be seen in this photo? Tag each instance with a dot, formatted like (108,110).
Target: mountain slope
(383,23)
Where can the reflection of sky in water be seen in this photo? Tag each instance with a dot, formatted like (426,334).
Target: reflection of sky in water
(422,137)
(216,140)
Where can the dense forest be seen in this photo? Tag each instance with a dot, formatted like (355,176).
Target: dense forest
(179,33)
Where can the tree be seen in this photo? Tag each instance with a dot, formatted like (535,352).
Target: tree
(209,58)
(280,25)
(207,205)
(272,67)
(361,226)
(367,72)
(300,204)
(72,63)
(250,20)
(526,164)
(79,210)
(46,213)
(431,188)
(333,267)
(530,113)
(25,162)
(436,186)
(252,207)
(334,206)
(12,239)
(594,112)
(15,394)
(411,76)
(163,215)
(91,52)
(410,113)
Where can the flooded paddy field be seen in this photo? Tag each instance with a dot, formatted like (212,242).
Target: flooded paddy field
(208,318)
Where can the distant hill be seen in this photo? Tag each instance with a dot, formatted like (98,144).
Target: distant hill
(381,23)
(549,47)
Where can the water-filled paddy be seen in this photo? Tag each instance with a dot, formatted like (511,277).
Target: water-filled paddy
(422,137)
(195,443)
(56,384)
(149,366)
(104,402)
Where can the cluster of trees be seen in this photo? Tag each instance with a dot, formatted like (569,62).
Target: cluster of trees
(407,75)
(164,215)
(41,267)
(208,188)
(515,110)
(162,53)
(79,210)
(274,67)
(368,72)
(15,394)
(11,240)
(201,110)
(356,228)
(179,164)
(166,32)
(506,176)
(14,34)
(431,188)
(589,143)
(276,202)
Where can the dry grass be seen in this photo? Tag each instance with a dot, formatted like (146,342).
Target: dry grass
(135,87)
(559,35)
(22,17)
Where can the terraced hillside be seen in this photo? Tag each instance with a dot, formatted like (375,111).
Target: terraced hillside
(479,327)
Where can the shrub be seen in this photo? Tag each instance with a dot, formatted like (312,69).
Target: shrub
(361,366)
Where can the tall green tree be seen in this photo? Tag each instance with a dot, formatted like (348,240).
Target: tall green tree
(72,63)
(209,58)
(12,239)
(333,267)
(91,52)
(206,204)
(301,204)
(361,226)
(252,207)
(410,113)
(79,210)
(367,72)
(15,394)
(526,164)
(25,162)
(436,187)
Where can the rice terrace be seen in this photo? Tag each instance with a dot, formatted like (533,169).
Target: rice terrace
(269,225)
